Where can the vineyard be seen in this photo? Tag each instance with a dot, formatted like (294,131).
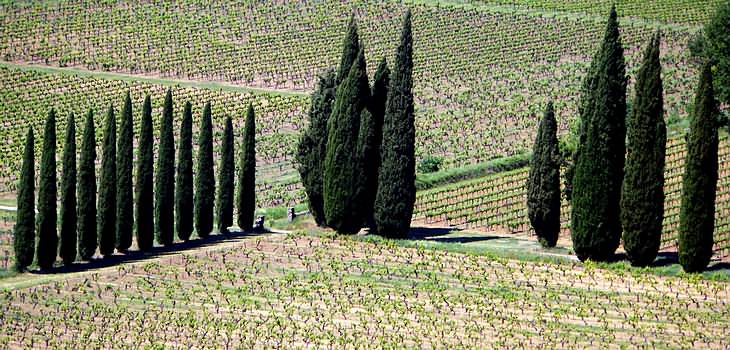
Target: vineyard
(498,202)
(305,291)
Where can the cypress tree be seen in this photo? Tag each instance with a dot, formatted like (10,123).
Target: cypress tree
(125,166)
(47,216)
(184,183)
(596,221)
(165,179)
(108,187)
(205,180)
(642,198)
(225,178)
(145,174)
(369,140)
(350,49)
(543,183)
(67,249)
(342,164)
(697,211)
(247,174)
(24,232)
(396,179)
(87,191)
(312,145)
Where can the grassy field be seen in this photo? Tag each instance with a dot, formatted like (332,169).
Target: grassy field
(298,291)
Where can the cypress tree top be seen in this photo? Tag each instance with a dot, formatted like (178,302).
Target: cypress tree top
(350,49)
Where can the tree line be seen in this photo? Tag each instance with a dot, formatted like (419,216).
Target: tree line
(617,174)
(357,156)
(166,199)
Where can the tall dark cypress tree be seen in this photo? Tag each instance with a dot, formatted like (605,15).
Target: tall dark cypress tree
(125,166)
(543,183)
(67,249)
(165,179)
(108,187)
(396,179)
(145,186)
(599,168)
(47,216)
(369,140)
(205,177)
(697,212)
(312,145)
(247,174)
(226,170)
(350,49)
(342,164)
(184,183)
(87,191)
(24,232)
(642,198)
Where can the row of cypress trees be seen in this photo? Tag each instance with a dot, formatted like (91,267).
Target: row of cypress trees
(357,157)
(618,187)
(166,202)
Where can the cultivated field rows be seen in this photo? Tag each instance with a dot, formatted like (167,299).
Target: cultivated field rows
(268,291)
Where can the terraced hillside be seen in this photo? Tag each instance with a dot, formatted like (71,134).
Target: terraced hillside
(304,291)
(482,72)
(499,201)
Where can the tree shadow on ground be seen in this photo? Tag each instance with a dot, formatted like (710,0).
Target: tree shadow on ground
(434,234)
(156,251)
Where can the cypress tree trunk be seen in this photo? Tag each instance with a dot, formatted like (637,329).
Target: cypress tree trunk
(642,198)
(342,164)
(697,213)
(205,181)
(184,183)
(165,179)
(311,150)
(596,221)
(145,174)
(247,177)
(125,165)
(350,49)
(67,249)
(47,214)
(108,187)
(396,179)
(543,183)
(225,178)
(87,191)
(24,232)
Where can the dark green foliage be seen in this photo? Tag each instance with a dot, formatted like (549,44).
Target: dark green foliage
(145,174)
(125,166)
(697,213)
(205,177)
(67,249)
(24,232)
(369,140)
(430,164)
(165,178)
(312,145)
(599,163)
(543,182)
(87,191)
(108,187)
(350,49)
(247,174)
(225,180)
(396,182)
(47,248)
(184,182)
(342,163)
(642,198)
(713,44)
